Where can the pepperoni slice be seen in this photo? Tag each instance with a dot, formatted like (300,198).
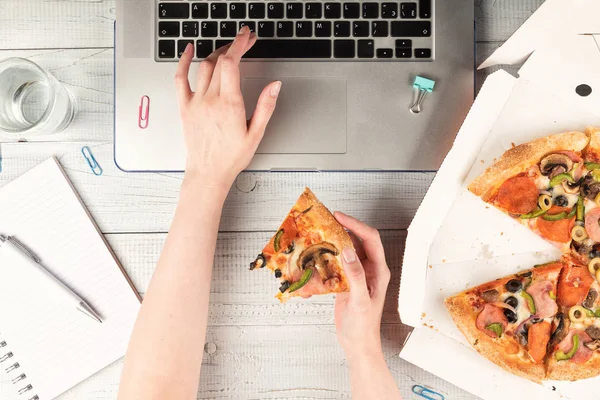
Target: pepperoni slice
(556,231)
(518,195)
(573,286)
(537,339)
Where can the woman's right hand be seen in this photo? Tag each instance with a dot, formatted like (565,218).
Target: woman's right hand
(358,312)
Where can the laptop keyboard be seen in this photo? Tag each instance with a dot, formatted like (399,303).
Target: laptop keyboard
(300,30)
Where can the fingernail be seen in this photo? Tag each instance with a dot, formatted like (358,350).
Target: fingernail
(242,30)
(188,48)
(349,255)
(275,88)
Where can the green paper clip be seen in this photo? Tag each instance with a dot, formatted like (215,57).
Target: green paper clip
(422,87)
(427,393)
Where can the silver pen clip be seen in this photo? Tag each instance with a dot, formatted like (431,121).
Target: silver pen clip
(21,247)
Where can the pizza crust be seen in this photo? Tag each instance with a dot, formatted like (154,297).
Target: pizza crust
(592,152)
(520,158)
(570,371)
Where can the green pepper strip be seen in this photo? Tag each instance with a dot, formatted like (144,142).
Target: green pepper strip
(589,313)
(277,241)
(592,165)
(561,356)
(558,179)
(303,281)
(597,313)
(529,300)
(544,264)
(496,328)
(555,217)
(552,295)
(580,209)
(534,214)
(572,212)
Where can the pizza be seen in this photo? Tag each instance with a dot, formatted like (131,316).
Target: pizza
(552,186)
(509,320)
(543,323)
(305,252)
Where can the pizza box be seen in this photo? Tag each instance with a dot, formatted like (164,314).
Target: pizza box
(455,240)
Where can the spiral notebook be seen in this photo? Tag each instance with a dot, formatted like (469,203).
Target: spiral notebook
(45,347)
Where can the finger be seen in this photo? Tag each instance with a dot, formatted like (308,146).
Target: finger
(369,236)
(355,274)
(358,246)
(182,83)
(207,68)
(229,63)
(240,44)
(265,107)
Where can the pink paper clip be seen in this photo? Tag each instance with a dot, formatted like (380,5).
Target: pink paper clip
(427,393)
(144,112)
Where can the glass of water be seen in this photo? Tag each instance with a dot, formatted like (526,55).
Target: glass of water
(32,102)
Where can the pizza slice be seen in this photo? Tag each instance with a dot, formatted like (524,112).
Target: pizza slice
(548,186)
(509,320)
(305,253)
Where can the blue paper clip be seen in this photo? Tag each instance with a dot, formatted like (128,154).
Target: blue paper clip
(422,86)
(91,160)
(427,393)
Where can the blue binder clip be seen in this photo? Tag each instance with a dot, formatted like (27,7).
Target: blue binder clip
(91,160)
(427,393)
(422,87)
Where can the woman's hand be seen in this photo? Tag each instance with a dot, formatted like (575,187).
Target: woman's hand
(220,141)
(358,313)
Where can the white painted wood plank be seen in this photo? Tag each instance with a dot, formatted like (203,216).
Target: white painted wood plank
(273,362)
(126,202)
(36,24)
(88,75)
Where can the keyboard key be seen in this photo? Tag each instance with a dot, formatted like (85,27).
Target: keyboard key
(411,29)
(168,29)
(425,9)
(199,10)
(294,10)
(266,29)
(333,10)
(389,10)
(190,29)
(166,48)
(351,10)
(285,29)
(403,43)
(181,45)
(221,43)
(408,10)
(174,10)
(237,10)
(360,29)
(275,10)
(203,48)
(385,53)
(341,29)
(380,28)
(209,29)
(228,28)
(343,48)
(289,48)
(249,24)
(218,10)
(403,53)
(304,29)
(370,10)
(313,10)
(423,53)
(323,28)
(256,10)
(366,48)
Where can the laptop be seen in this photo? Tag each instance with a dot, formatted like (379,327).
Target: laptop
(347,67)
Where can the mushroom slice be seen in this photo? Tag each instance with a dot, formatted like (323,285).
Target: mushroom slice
(571,188)
(551,161)
(593,345)
(593,332)
(316,256)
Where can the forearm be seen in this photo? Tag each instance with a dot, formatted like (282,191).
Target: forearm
(370,378)
(165,352)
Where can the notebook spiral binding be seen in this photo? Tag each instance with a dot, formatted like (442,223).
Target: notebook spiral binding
(11,366)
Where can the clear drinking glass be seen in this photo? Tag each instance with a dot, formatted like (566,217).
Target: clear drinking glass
(32,102)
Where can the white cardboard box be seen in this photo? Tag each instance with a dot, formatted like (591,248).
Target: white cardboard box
(448,247)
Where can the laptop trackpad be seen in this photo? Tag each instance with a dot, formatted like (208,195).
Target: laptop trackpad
(310,115)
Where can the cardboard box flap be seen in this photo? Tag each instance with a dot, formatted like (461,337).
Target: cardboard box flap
(551,23)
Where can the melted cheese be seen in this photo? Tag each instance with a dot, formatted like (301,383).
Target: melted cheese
(558,190)
(589,205)
(542,182)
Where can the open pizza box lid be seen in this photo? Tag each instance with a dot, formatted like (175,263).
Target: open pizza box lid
(456,241)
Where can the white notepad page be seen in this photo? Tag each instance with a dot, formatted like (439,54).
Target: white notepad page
(57,347)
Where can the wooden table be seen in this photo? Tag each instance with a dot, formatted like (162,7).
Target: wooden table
(255,348)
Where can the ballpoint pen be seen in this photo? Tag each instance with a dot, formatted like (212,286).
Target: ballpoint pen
(19,249)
